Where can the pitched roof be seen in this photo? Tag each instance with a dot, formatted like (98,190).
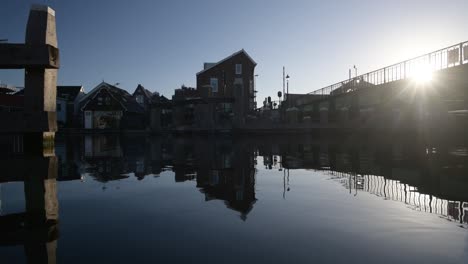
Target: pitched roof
(211,65)
(123,97)
(147,93)
(68,92)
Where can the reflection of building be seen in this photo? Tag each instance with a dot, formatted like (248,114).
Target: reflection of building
(226,172)
(114,157)
(235,187)
(104,158)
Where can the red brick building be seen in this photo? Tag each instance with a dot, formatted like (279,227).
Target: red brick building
(230,78)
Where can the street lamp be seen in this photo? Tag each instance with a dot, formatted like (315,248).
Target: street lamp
(287,89)
(255,90)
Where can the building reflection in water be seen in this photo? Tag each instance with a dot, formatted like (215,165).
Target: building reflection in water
(36,229)
(428,178)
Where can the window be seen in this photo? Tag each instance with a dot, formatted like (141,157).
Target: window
(214,85)
(227,107)
(140,99)
(238,68)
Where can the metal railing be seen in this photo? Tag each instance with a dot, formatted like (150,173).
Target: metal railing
(454,55)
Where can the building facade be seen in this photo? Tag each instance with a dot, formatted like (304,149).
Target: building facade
(109,107)
(231,79)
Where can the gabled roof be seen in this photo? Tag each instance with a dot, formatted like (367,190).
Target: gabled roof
(123,97)
(228,58)
(146,92)
(68,92)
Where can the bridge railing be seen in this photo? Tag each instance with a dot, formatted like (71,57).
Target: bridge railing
(454,55)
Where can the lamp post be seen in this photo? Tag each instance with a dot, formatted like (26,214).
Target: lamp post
(287,89)
(279,98)
(255,90)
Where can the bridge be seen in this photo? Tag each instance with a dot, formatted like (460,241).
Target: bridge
(420,94)
(418,69)
(423,92)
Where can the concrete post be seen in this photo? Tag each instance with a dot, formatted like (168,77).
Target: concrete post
(40,83)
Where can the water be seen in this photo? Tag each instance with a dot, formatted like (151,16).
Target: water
(136,199)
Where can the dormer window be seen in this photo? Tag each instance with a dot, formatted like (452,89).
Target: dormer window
(238,68)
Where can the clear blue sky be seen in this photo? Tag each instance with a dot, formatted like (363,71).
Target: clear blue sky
(162,44)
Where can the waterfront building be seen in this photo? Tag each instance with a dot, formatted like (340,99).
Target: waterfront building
(222,100)
(143,96)
(231,82)
(109,107)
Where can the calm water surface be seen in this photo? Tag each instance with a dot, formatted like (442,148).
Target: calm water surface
(135,199)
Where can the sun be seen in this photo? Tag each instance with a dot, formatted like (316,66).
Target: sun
(422,74)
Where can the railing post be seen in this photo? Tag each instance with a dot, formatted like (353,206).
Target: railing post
(461,53)
(404,70)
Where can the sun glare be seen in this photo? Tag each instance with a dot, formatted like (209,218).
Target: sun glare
(422,74)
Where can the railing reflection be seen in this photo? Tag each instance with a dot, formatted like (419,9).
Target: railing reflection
(397,191)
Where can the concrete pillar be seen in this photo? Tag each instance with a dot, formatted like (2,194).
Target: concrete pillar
(40,188)
(40,83)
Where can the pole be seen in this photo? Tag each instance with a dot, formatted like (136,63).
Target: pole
(284,71)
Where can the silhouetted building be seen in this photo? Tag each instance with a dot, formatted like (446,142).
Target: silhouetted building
(231,81)
(222,100)
(67,104)
(143,96)
(109,107)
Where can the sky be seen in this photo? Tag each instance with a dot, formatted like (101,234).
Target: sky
(163,44)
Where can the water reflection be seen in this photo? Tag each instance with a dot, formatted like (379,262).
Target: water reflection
(36,228)
(430,178)
(425,177)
